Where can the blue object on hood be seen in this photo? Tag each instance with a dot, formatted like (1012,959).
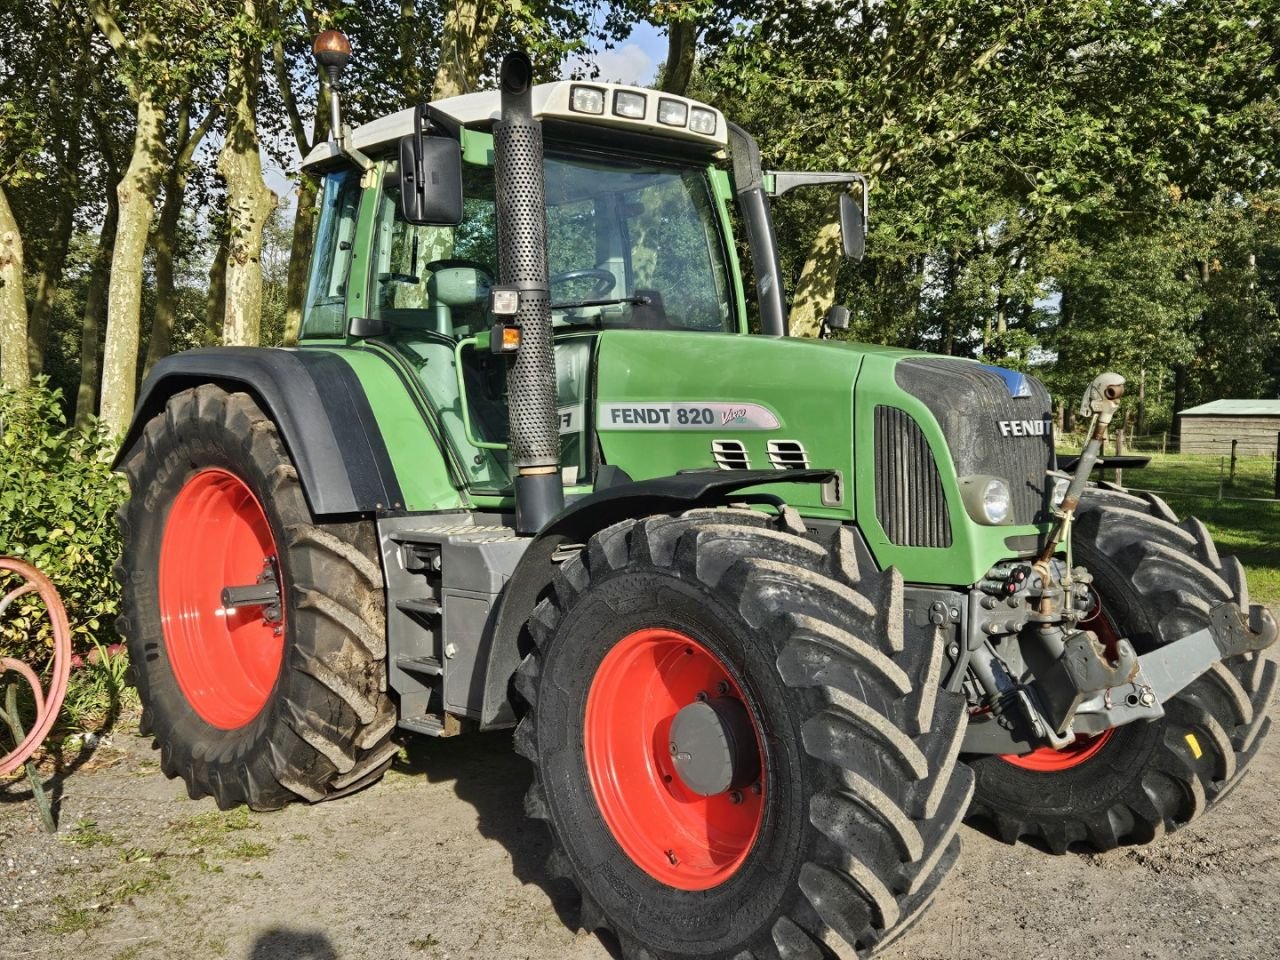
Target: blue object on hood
(1015,382)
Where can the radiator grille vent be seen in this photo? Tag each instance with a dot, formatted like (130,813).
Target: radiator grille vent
(788,455)
(730,455)
(910,503)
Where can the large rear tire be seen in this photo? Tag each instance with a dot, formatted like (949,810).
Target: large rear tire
(848,822)
(249,706)
(1157,579)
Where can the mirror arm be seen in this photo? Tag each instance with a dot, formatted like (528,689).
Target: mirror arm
(784,180)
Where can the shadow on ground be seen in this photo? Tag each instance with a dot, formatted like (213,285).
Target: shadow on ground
(283,944)
(487,774)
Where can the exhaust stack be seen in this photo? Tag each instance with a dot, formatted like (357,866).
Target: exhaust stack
(522,265)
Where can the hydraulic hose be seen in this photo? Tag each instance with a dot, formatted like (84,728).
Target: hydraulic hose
(47,704)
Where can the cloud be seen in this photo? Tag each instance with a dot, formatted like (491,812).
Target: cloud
(627,64)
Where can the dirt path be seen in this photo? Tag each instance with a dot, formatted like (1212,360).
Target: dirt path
(437,861)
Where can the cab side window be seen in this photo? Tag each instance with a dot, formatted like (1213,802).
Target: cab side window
(324,312)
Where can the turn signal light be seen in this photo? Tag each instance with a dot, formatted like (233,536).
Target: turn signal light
(504,338)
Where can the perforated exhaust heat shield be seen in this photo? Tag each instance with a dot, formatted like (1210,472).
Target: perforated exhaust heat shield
(522,263)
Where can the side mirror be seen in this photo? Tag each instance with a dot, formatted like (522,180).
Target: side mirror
(853,228)
(430,179)
(837,318)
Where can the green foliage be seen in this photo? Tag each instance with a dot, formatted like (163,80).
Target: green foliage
(1112,156)
(58,498)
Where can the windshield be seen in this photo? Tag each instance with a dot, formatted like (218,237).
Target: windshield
(630,244)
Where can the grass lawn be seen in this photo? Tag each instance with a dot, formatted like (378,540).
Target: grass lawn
(1247,528)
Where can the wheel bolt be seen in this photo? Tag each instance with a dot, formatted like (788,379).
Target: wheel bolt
(674,748)
(755,788)
(722,688)
(735,797)
(701,697)
(671,855)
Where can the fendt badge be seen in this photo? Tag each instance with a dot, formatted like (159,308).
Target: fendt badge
(1025,428)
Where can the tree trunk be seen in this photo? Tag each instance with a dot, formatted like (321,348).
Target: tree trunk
(137,192)
(816,289)
(216,305)
(1181,379)
(95,307)
(47,279)
(304,232)
(249,202)
(682,48)
(468,27)
(1066,313)
(15,373)
(68,194)
(55,258)
(1141,423)
(164,245)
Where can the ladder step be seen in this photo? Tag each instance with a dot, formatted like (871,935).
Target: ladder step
(427,665)
(429,725)
(424,606)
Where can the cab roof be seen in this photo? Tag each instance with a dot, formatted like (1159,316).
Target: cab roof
(479,110)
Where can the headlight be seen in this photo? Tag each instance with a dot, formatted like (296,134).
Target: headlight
(1060,486)
(629,104)
(987,499)
(674,113)
(586,99)
(702,121)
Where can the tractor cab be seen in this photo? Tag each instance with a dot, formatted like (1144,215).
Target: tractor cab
(637,238)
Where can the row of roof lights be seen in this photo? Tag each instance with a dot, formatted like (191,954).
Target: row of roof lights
(632,106)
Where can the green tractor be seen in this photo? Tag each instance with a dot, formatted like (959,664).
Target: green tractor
(770,617)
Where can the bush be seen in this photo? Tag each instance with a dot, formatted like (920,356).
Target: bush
(58,499)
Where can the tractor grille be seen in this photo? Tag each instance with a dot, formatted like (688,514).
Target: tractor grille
(989,431)
(910,503)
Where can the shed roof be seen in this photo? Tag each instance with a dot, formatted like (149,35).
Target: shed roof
(1235,408)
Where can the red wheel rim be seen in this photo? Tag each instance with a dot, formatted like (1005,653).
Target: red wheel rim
(1049,760)
(225,661)
(678,837)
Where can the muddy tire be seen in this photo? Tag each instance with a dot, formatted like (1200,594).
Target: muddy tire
(250,706)
(849,822)
(1157,579)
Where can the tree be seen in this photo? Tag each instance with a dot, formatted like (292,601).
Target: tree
(14,370)
(138,55)
(249,201)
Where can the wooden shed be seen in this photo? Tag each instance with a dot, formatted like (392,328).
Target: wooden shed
(1210,427)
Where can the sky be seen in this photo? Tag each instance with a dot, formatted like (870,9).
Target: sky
(635,61)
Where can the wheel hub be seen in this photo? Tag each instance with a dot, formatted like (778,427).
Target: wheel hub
(713,746)
(674,757)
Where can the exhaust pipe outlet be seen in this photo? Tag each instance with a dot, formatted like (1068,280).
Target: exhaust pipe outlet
(522,264)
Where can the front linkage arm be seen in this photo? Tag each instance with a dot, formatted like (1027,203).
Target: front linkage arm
(1055,681)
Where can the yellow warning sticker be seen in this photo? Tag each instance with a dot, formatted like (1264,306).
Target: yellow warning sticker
(1194,744)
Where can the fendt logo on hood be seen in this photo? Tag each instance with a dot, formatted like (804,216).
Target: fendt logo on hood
(1025,428)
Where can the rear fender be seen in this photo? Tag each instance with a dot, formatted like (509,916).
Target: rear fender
(316,402)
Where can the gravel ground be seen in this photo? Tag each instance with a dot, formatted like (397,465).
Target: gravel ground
(437,861)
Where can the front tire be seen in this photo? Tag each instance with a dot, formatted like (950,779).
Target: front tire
(249,705)
(1156,579)
(847,823)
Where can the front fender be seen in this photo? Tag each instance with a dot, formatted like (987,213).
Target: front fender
(576,524)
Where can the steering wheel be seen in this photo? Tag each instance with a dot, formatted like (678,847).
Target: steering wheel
(605,281)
